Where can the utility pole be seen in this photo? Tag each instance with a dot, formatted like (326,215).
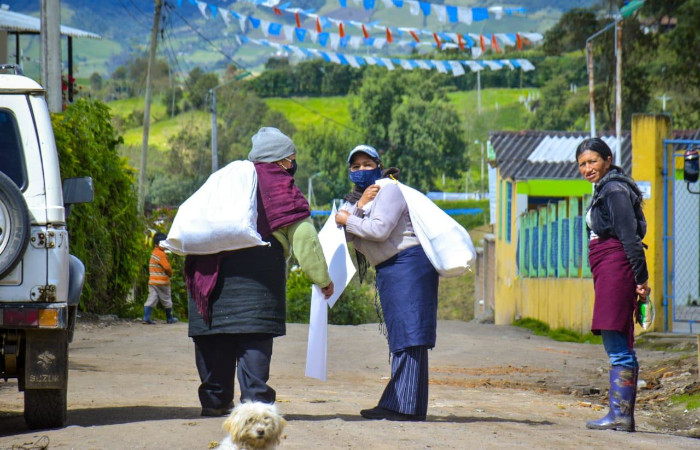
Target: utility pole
(214,134)
(51,53)
(478,91)
(591,84)
(147,107)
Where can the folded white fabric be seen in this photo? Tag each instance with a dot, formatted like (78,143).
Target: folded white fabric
(221,215)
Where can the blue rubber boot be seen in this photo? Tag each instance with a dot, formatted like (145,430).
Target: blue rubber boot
(169,315)
(623,395)
(147,316)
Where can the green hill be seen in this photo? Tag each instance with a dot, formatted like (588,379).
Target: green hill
(501,110)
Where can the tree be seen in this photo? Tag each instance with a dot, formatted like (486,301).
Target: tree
(95,82)
(322,152)
(379,92)
(571,31)
(198,84)
(426,141)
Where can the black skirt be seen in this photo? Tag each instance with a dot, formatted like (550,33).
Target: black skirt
(250,294)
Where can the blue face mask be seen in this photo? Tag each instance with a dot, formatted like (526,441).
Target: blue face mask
(365,178)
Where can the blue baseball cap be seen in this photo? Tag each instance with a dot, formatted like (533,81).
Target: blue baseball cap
(371,151)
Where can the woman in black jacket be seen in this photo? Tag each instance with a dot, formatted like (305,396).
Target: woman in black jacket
(616,227)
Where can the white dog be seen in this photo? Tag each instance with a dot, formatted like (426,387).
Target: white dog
(253,425)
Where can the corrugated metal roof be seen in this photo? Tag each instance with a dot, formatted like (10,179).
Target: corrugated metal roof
(562,148)
(526,155)
(21,23)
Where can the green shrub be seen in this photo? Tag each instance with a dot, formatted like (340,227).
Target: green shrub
(107,234)
(355,305)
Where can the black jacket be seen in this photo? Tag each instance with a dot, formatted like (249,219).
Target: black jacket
(616,211)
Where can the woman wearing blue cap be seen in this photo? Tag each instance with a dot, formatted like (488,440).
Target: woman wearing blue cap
(377,222)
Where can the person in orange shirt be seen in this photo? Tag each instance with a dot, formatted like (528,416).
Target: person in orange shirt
(158,282)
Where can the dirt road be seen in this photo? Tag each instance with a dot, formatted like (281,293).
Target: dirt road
(135,386)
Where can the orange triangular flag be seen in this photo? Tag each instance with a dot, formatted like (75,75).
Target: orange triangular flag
(296,17)
(494,42)
(318,25)
(389,38)
(519,41)
(415,36)
(460,41)
(364,31)
(482,44)
(437,39)
(341,30)
(277,11)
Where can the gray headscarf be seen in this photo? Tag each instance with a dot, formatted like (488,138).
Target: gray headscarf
(270,145)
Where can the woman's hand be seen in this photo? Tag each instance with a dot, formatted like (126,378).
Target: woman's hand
(643,289)
(328,290)
(341,217)
(368,195)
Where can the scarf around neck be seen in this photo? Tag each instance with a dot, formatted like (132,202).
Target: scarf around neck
(280,202)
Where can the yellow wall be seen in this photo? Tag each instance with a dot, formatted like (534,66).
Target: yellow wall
(648,133)
(559,302)
(568,302)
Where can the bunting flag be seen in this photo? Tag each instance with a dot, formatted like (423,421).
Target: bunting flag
(456,67)
(444,13)
(460,41)
(466,15)
(494,44)
(341,30)
(364,32)
(277,11)
(389,37)
(437,40)
(482,44)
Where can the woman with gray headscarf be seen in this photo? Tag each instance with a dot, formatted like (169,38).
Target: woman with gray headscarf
(237,298)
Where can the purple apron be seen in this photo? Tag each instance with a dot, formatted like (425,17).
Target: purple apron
(615,288)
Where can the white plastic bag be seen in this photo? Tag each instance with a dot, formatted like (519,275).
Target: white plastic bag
(222,215)
(446,243)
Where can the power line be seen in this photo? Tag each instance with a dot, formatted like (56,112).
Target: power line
(237,63)
(245,66)
(136,18)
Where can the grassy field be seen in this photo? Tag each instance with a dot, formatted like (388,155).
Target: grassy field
(500,110)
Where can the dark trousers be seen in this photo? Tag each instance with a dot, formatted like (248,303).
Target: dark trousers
(217,355)
(407,391)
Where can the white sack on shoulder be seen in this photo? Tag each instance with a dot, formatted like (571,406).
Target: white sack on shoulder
(446,243)
(222,215)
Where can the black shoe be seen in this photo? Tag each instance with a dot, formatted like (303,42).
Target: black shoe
(217,412)
(379,413)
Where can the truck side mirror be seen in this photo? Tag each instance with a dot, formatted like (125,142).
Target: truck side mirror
(77,190)
(690,167)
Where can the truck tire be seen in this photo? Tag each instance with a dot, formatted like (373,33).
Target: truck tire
(45,408)
(14,225)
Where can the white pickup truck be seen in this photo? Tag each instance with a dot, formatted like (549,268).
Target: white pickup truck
(40,282)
